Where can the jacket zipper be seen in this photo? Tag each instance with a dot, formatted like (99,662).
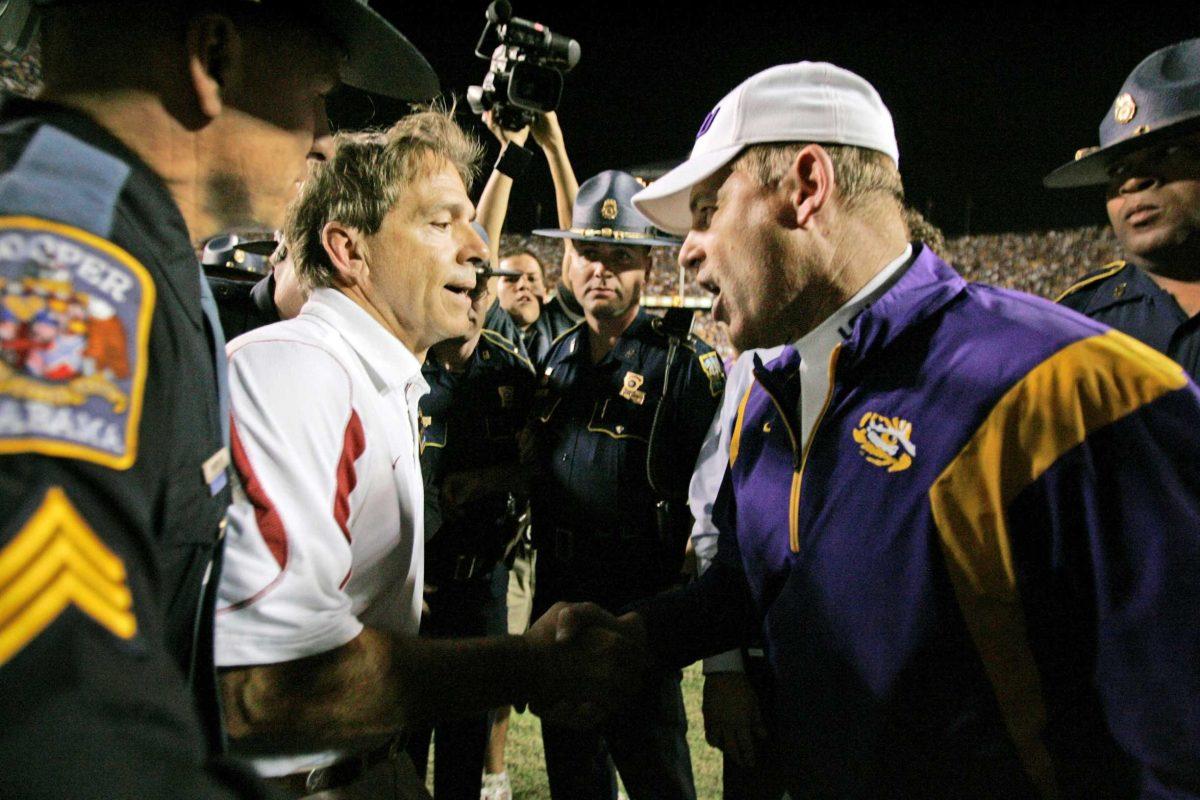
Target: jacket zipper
(798,480)
(794,498)
(799,459)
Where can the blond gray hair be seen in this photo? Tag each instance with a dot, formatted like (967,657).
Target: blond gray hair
(366,177)
(861,175)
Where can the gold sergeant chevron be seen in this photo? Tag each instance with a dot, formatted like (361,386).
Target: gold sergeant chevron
(55,561)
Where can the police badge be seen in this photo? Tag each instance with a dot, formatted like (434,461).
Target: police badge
(631,389)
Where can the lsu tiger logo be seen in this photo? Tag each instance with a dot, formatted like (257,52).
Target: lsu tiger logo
(885,441)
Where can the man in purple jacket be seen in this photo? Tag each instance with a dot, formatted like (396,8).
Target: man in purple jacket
(966,522)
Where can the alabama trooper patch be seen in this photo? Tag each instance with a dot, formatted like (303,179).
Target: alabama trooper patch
(75,316)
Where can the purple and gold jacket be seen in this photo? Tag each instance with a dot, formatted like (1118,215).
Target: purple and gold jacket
(981,575)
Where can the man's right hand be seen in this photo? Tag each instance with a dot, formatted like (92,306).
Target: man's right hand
(546,131)
(590,663)
(504,135)
(732,721)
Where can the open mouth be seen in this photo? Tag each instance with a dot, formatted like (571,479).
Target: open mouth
(461,290)
(1141,215)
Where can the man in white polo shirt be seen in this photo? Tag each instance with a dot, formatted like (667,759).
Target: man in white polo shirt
(321,596)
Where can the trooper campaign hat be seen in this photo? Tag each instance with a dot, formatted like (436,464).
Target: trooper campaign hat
(809,101)
(237,251)
(379,58)
(1159,100)
(604,213)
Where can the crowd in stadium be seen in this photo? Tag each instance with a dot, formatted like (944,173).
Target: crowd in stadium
(1044,263)
(311,472)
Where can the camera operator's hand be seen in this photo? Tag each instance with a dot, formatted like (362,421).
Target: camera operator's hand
(546,131)
(504,135)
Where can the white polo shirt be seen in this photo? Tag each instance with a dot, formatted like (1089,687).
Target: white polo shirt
(327,537)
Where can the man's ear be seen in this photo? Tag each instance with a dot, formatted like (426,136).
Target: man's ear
(347,251)
(215,51)
(809,183)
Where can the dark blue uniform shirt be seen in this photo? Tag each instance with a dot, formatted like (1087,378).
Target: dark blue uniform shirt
(113,480)
(595,513)
(1125,297)
(557,316)
(470,421)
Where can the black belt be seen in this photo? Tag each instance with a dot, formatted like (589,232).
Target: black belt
(341,773)
(569,544)
(459,569)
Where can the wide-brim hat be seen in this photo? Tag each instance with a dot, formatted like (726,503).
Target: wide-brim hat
(236,251)
(379,58)
(604,213)
(1159,100)
(258,247)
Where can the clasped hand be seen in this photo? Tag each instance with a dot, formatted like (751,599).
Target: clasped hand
(591,663)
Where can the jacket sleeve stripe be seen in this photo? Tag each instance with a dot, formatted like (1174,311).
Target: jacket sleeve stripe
(353,444)
(266,515)
(1080,389)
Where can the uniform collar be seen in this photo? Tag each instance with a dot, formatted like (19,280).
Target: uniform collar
(1128,285)
(920,292)
(920,284)
(625,349)
(389,362)
(628,344)
(816,345)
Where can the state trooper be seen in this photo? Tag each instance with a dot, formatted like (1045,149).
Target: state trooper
(480,387)
(622,407)
(113,442)
(1148,161)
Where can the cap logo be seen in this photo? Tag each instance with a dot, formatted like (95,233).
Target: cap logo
(1124,108)
(608,209)
(708,121)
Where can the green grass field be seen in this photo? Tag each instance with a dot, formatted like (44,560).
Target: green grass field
(528,771)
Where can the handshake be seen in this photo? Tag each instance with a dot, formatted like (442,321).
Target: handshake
(590,664)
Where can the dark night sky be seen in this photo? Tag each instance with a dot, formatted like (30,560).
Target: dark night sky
(985,101)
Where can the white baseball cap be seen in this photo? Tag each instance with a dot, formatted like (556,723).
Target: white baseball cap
(805,102)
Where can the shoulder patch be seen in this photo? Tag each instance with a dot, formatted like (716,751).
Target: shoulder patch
(63,178)
(75,315)
(710,362)
(56,561)
(1095,277)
